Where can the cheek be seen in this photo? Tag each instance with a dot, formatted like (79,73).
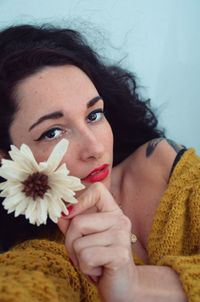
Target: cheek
(108,138)
(41,153)
(70,160)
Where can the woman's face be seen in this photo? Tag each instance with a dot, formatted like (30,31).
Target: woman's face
(62,102)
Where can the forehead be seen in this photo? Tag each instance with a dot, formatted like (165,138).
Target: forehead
(54,85)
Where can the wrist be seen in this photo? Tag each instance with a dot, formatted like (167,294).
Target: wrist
(122,285)
(158,284)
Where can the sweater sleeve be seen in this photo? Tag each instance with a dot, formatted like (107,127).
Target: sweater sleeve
(175,236)
(188,269)
(39,270)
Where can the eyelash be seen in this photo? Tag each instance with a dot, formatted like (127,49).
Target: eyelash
(100,111)
(63,131)
(50,131)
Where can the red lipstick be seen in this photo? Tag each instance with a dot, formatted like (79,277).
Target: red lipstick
(97,174)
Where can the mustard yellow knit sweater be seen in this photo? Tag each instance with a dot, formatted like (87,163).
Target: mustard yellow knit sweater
(39,270)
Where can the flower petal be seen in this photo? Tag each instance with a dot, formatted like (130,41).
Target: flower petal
(29,155)
(3,185)
(15,154)
(71,182)
(14,188)
(12,174)
(13,165)
(64,193)
(67,197)
(62,171)
(56,156)
(20,208)
(24,157)
(30,209)
(12,200)
(54,209)
(62,206)
(43,208)
(62,185)
(10,188)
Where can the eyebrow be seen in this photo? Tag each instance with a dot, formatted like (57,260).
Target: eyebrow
(59,114)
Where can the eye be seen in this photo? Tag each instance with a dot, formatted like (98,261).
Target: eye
(51,134)
(95,115)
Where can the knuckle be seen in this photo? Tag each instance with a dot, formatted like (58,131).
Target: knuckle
(125,223)
(76,246)
(77,223)
(119,235)
(84,269)
(97,186)
(122,258)
(85,260)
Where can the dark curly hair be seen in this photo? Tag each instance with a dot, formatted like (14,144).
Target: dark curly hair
(26,49)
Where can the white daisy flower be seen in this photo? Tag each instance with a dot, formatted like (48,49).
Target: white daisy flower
(37,190)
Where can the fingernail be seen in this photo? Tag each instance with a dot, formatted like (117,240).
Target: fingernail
(63,215)
(70,208)
(93,279)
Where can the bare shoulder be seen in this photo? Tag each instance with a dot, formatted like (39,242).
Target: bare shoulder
(155,157)
(167,146)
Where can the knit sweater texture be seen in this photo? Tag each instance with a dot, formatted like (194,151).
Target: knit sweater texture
(40,270)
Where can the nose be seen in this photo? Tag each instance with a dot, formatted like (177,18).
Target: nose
(90,146)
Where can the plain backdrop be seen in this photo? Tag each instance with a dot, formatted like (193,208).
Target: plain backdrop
(158,40)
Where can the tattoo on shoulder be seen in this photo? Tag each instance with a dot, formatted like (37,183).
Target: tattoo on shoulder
(174,145)
(152,145)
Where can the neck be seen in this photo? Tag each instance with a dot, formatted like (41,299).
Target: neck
(124,191)
(116,189)
(125,194)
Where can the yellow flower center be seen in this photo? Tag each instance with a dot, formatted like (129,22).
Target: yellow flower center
(36,185)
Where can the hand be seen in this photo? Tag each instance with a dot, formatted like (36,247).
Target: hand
(97,238)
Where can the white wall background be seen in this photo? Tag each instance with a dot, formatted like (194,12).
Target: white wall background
(159,39)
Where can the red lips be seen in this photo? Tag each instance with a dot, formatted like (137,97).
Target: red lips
(97,174)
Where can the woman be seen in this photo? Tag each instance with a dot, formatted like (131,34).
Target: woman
(54,86)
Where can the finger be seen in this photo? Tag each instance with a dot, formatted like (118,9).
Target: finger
(63,222)
(114,258)
(107,238)
(82,226)
(93,279)
(91,271)
(87,224)
(97,196)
